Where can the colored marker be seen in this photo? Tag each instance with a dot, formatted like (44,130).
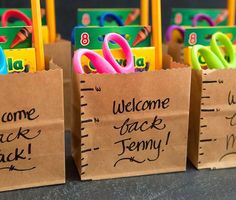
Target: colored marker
(38,35)
(144,12)
(132,16)
(3,63)
(221,17)
(142,35)
(21,36)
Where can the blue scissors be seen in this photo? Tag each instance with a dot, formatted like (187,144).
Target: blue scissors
(214,57)
(102,21)
(3,63)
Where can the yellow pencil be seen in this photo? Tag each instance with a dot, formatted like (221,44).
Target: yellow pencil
(157,32)
(144,12)
(231,10)
(51,20)
(38,36)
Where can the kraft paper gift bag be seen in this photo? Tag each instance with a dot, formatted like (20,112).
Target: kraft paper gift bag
(212,139)
(32,129)
(60,51)
(130,124)
(176,51)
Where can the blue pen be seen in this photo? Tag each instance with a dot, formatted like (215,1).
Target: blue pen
(3,63)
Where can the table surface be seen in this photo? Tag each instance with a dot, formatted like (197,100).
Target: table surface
(193,184)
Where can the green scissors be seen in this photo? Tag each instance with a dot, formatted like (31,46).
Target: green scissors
(214,57)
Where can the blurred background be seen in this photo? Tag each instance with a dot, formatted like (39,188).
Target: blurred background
(66,9)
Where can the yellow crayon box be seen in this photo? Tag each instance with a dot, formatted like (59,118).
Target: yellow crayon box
(21,60)
(202,36)
(144,59)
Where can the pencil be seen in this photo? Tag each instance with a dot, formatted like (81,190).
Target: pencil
(23,34)
(51,20)
(132,16)
(157,32)
(231,11)
(144,12)
(38,37)
(142,35)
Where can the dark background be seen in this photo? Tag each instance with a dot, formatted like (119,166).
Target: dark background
(66,9)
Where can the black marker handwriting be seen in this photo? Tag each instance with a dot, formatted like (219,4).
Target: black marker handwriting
(21,133)
(13,168)
(231,99)
(139,106)
(131,159)
(226,155)
(129,127)
(232,119)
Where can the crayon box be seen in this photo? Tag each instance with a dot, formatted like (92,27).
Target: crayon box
(184,16)
(27,12)
(202,36)
(92,38)
(92,17)
(20,54)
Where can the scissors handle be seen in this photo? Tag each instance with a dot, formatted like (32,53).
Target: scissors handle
(16,14)
(213,62)
(227,44)
(200,17)
(169,32)
(108,64)
(115,17)
(122,42)
(101,64)
(3,63)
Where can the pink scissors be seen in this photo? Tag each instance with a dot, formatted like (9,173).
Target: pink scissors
(108,64)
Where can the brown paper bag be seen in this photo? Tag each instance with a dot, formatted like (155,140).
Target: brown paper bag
(32,129)
(212,139)
(60,51)
(176,51)
(148,136)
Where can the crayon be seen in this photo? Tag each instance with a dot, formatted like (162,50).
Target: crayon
(21,36)
(132,16)
(144,12)
(221,17)
(142,35)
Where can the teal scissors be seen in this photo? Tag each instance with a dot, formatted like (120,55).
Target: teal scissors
(3,63)
(214,57)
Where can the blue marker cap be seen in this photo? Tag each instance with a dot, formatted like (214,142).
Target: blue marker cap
(3,63)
